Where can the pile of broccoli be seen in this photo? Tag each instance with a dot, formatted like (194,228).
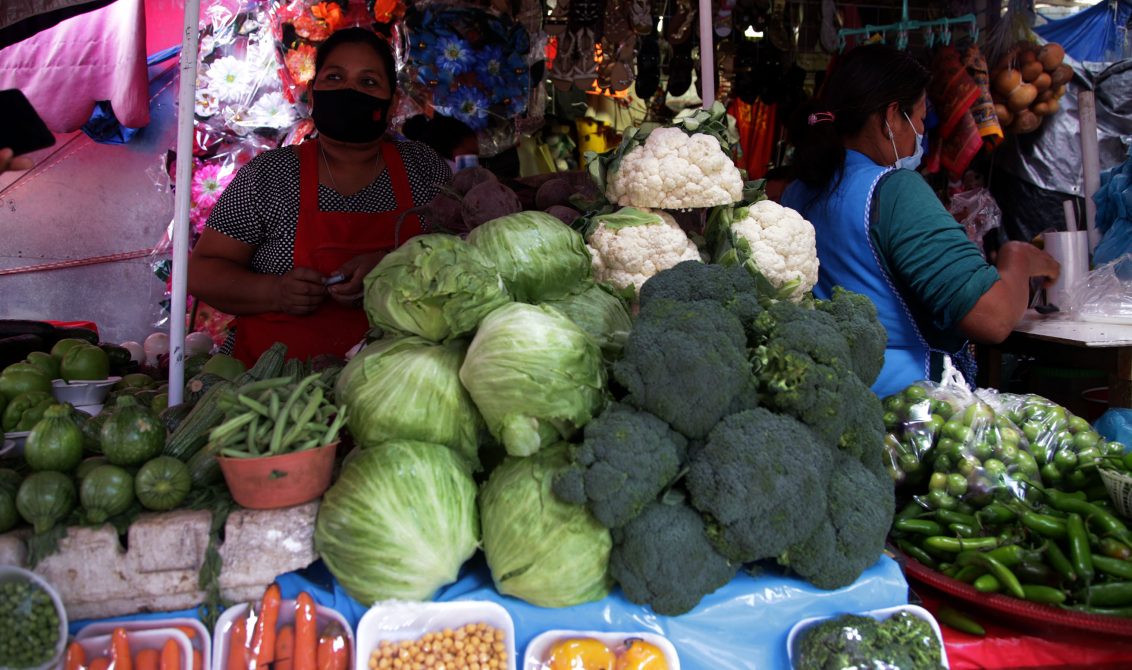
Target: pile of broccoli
(742,431)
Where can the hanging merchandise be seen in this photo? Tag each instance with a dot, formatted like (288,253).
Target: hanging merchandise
(983,109)
(757,129)
(954,91)
(470,64)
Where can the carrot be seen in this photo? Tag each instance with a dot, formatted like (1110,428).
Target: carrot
(306,633)
(120,650)
(285,648)
(75,658)
(237,645)
(198,660)
(147,659)
(171,655)
(263,642)
(100,663)
(189,631)
(333,653)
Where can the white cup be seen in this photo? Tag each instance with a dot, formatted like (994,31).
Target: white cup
(1071,250)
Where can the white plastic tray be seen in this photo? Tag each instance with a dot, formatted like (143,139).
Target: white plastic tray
(201,641)
(12,573)
(539,648)
(82,392)
(286,616)
(18,439)
(99,645)
(398,620)
(7,446)
(879,615)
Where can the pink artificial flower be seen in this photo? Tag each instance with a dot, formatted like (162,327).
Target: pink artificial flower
(209,181)
(300,63)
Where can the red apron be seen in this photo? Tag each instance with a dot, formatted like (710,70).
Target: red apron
(324,241)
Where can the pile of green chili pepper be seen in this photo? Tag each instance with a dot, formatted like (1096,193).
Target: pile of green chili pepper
(1055,547)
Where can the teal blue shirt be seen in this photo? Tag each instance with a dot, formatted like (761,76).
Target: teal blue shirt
(939,271)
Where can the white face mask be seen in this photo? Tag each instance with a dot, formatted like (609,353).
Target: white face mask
(908,162)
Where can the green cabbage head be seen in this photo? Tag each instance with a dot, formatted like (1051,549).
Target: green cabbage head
(538,256)
(540,549)
(408,388)
(399,522)
(600,313)
(436,286)
(534,375)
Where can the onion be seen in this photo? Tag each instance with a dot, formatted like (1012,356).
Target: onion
(1031,70)
(1051,56)
(1021,97)
(1025,122)
(1042,82)
(155,345)
(1005,116)
(1061,75)
(1006,81)
(197,343)
(137,353)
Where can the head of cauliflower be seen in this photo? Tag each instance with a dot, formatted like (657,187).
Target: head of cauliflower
(675,170)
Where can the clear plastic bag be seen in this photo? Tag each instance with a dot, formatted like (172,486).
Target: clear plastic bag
(968,454)
(1067,449)
(895,640)
(977,211)
(1105,295)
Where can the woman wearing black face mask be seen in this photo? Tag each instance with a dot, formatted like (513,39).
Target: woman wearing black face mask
(296,231)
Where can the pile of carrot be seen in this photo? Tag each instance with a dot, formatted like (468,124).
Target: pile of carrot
(258,642)
(122,658)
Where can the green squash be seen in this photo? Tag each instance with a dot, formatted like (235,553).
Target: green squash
(45,499)
(162,483)
(10,481)
(89,464)
(9,517)
(92,431)
(45,362)
(132,434)
(56,441)
(106,491)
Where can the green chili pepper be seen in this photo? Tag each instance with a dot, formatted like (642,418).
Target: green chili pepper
(1114,548)
(959,621)
(1036,573)
(1043,524)
(1113,566)
(1110,594)
(1007,579)
(917,553)
(996,514)
(1102,520)
(987,584)
(1079,552)
(918,526)
(950,516)
(1107,611)
(970,573)
(911,511)
(963,530)
(955,544)
(1043,594)
(1059,561)
(1011,555)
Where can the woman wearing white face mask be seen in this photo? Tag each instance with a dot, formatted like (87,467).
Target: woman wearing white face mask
(882,231)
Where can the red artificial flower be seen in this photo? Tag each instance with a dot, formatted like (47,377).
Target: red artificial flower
(300,63)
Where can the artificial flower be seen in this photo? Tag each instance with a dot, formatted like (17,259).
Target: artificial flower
(470,105)
(205,103)
(208,183)
(455,55)
(311,28)
(270,111)
(329,13)
(384,10)
(228,78)
(490,66)
(300,63)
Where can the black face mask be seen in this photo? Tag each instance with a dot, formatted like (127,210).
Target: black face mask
(348,115)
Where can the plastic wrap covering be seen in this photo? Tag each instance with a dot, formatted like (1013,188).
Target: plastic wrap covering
(1105,295)
(905,639)
(470,64)
(1114,212)
(976,210)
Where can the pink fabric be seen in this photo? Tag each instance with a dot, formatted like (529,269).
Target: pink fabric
(95,56)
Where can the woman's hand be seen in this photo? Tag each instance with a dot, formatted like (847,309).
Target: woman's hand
(1032,261)
(299,292)
(350,291)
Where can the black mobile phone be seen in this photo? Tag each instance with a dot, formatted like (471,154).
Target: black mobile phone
(21,129)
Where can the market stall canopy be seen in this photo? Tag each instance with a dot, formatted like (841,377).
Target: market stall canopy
(20,19)
(66,69)
(1092,35)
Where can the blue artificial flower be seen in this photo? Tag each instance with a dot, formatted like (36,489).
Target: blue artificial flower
(454,55)
(470,105)
(491,68)
(516,105)
(520,40)
(428,74)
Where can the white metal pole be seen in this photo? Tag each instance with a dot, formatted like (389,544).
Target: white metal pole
(185,105)
(1090,162)
(707,53)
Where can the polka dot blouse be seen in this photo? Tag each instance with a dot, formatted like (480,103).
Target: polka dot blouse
(260,206)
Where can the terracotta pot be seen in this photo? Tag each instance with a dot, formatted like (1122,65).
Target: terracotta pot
(271,482)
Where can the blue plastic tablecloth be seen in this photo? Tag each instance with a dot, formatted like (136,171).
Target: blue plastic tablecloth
(742,626)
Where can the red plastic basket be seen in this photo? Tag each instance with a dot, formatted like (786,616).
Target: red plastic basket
(1012,609)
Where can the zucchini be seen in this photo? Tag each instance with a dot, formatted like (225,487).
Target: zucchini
(192,432)
(80,333)
(203,468)
(173,416)
(269,364)
(196,387)
(14,327)
(120,360)
(293,369)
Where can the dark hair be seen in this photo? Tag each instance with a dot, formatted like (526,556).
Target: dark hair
(442,133)
(358,35)
(865,81)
